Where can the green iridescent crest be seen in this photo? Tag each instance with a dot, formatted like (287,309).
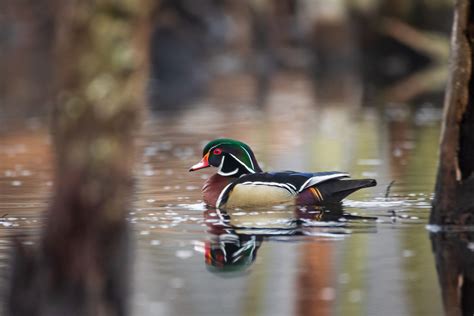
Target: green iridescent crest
(241,150)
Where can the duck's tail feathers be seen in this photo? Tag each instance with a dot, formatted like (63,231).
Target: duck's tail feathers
(336,190)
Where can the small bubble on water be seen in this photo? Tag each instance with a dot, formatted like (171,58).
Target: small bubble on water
(184,254)
(25,173)
(470,246)
(150,200)
(327,294)
(9,173)
(155,242)
(148,173)
(397,152)
(407,253)
(355,296)
(239,214)
(369,162)
(144,232)
(16,183)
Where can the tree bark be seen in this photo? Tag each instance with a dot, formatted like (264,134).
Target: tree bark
(454,192)
(454,198)
(81,266)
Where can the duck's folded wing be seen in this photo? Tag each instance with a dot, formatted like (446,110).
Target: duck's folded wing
(320,177)
(274,186)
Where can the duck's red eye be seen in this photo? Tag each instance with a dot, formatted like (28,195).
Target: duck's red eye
(217,151)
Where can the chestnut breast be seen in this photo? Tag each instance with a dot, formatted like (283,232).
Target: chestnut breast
(213,187)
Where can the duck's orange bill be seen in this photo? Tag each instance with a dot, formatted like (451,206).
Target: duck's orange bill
(204,163)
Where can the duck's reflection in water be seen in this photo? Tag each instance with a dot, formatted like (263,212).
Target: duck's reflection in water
(236,235)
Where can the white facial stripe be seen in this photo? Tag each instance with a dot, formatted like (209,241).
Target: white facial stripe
(250,157)
(246,167)
(226,174)
(221,164)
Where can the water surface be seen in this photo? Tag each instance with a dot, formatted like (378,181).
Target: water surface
(371,256)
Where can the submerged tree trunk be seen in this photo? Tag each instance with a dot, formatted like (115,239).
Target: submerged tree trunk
(454,196)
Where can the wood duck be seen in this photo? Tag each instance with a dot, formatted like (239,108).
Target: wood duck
(241,183)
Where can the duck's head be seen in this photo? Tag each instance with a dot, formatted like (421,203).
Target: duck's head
(232,158)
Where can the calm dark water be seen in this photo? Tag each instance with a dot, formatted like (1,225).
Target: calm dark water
(373,256)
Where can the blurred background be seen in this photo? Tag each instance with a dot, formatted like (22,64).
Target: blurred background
(310,85)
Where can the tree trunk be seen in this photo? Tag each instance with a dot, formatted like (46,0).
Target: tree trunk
(454,198)
(81,266)
(454,192)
